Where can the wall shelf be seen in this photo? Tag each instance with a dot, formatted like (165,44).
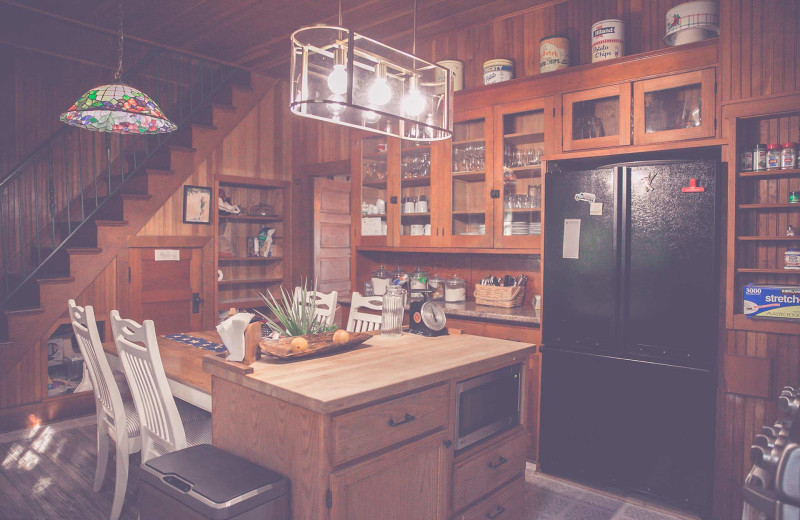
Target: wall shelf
(769,174)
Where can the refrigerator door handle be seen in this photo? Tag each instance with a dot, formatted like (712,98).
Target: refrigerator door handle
(622,252)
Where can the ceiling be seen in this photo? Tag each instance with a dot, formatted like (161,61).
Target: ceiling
(255,33)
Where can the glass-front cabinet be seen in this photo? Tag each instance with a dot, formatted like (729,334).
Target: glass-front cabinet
(674,107)
(597,118)
(371,170)
(519,147)
(416,225)
(470,181)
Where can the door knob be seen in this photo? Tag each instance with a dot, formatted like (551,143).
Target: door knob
(196,301)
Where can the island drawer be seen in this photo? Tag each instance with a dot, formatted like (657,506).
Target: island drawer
(488,468)
(381,425)
(504,504)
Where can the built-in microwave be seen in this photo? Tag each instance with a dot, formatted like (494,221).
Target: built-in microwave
(487,404)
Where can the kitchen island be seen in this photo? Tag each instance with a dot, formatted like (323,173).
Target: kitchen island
(369,433)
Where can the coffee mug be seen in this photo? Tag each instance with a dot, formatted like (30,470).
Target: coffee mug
(421,206)
(417,229)
(373,209)
(409,207)
(381,205)
(427,230)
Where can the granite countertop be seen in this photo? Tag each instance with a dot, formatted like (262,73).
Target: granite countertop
(523,314)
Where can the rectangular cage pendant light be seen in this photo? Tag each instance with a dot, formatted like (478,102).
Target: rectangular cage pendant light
(345,78)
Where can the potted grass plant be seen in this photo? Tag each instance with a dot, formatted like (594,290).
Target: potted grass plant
(294,317)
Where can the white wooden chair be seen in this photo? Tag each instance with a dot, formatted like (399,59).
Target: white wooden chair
(116,418)
(167,425)
(364,321)
(326,303)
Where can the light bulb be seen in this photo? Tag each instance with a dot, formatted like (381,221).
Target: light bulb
(336,108)
(337,81)
(380,92)
(414,103)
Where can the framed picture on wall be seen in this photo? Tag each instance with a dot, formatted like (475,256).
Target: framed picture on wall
(197,205)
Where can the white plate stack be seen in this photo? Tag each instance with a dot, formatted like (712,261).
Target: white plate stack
(535,228)
(520,228)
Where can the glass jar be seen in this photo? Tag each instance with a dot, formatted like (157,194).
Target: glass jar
(746,161)
(774,157)
(381,279)
(399,277)
(392,311)
(759,157)
(791,259)
(455,290)
(436,284)
(789,156)
(418,282)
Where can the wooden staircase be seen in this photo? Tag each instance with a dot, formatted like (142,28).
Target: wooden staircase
(42,300)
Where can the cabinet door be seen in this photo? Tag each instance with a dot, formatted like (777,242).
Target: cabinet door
(674,107)
(519,144)
(418,223)
(597,118)
(409,482)
(370,177)
(468,192)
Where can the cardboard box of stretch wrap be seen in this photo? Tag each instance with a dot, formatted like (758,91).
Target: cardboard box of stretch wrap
(772,301)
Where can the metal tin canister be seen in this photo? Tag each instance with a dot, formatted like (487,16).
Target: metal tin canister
(791,259)
(497,71)
(456,69)
(553,53)
(608,40)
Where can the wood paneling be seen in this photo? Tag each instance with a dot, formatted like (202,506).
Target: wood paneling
(760,48)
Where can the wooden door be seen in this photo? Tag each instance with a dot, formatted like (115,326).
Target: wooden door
(332,235)
(468,189)
(675,107)
(163,282)
(597,118)
(409,482)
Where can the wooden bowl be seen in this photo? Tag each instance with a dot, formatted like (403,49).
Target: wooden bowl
(317,344)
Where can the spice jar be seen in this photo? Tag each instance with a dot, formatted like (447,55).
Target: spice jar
(436,284)
(455,290)
(418,282)
(380,281)
(791,259)
(789,156)
(760,157)
(774,157)
(746,161)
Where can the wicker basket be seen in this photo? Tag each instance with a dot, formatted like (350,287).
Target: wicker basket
(495,296)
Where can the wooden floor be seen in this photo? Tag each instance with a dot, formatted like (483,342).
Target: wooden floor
(47,473)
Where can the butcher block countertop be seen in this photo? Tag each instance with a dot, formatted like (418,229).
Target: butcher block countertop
(380,368)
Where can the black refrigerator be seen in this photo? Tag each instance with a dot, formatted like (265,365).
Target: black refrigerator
(630,318)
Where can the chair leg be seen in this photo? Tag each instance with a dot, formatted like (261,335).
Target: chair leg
(102,455)
(121,482)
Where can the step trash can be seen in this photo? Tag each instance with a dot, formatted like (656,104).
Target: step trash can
(205,482)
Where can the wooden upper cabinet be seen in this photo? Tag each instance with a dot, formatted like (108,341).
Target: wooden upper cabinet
(674,108)
(420,178)
(523,132)
(469,180)
(371,181)
(597,118)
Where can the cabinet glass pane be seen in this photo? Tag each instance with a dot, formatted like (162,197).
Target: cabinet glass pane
(415,189)
(673,108)
(595,118)
(523,143)
(373,186)
(468,176)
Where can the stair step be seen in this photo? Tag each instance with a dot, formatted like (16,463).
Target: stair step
(203,126)
(153,171)
(227,108)
(84,250)
(180,148)
(23,311)
(55,280)
(110,223)
(136,196)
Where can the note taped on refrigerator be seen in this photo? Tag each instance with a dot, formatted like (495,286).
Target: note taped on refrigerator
(572,238)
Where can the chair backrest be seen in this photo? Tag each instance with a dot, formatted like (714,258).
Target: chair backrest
(364,321)
(326,303)
(160,421)
(106,392)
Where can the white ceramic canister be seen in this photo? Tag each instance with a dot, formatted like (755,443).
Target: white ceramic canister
(553,53)
(456,69)
(497,71)
(692,22)
(608,40)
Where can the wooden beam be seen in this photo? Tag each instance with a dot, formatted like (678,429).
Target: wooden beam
(326,169)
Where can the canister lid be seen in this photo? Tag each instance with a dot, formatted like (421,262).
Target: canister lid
(773,146)
(790,145)
(498,61)
(761,147)
(554,36)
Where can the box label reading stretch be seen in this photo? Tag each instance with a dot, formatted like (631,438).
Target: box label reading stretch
(772,301)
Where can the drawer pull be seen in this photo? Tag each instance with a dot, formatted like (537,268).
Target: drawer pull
(497,512)
(406,419)
(500,462)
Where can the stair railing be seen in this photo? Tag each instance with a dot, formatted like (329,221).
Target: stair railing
(74,176)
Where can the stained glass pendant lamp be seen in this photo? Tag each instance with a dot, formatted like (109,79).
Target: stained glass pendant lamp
(343,77)
(118,108)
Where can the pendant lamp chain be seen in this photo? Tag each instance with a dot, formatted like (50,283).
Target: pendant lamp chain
(118,74)
(414,34)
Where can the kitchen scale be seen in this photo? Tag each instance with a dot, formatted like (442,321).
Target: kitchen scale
(426,318)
